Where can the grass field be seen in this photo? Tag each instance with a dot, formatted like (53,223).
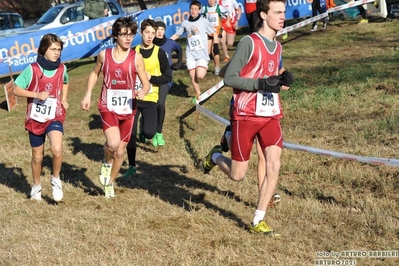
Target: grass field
(344,99)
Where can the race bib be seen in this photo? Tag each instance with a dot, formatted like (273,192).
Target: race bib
(120,101)
(43,111)
(195,43)
(213,19)
(267,104)
(139,86)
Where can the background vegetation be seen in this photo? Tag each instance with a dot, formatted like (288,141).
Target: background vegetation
(344,98)
(30,9)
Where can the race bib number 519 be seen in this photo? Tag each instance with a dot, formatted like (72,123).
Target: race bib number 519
(267,104)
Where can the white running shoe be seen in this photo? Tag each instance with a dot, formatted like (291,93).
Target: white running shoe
(217,70)
(314,28)
(57,188)
(36,192)
(109,191)
(105,174)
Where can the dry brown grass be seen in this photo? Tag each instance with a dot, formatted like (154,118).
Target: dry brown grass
(344,99)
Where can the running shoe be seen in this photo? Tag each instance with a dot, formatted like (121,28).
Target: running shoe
(57,188)
(363,21)
(160,139)
(285,36)
(207,163)
(142,139)
(109,191)
(223,140)
(154,140)
(105,174)
(275,200)
(262,228)
(314,28)
(226,59)
(36,192)
(324,25)
(217,70)
(131,171)
(195,99)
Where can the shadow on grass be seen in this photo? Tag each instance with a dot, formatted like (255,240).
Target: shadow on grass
(93,151)
(170,184)
(166,183)
(13,177)
(4,106)
(76,176)
(95,122)
(179,89)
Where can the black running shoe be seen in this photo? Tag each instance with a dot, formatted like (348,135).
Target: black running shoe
(223,140)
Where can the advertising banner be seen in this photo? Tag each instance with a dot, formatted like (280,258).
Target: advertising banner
(87,38)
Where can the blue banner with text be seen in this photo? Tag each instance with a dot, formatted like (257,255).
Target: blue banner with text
(87,38)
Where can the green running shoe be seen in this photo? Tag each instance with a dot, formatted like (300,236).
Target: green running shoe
(160,139)
(131,171)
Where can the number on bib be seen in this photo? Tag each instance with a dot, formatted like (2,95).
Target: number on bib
(267,104)
(120,101)
(43,111)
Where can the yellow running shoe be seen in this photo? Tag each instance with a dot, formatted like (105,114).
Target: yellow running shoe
(109,191)
(363,21)
(262,228)
(105,174)
(207,163)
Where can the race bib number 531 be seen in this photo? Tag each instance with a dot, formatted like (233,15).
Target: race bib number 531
(43,111)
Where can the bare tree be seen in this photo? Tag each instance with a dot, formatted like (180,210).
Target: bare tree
(27,8)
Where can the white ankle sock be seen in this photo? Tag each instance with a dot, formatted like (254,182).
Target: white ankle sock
(215,156)
(259,215)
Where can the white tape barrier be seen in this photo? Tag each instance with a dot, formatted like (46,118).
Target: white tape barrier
(210,92)
(370,160)
(321,16)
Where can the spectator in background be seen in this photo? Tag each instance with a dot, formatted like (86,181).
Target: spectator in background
(95,9)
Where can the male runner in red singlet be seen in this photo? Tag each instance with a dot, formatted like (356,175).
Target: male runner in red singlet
(117,104)
(257,76)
